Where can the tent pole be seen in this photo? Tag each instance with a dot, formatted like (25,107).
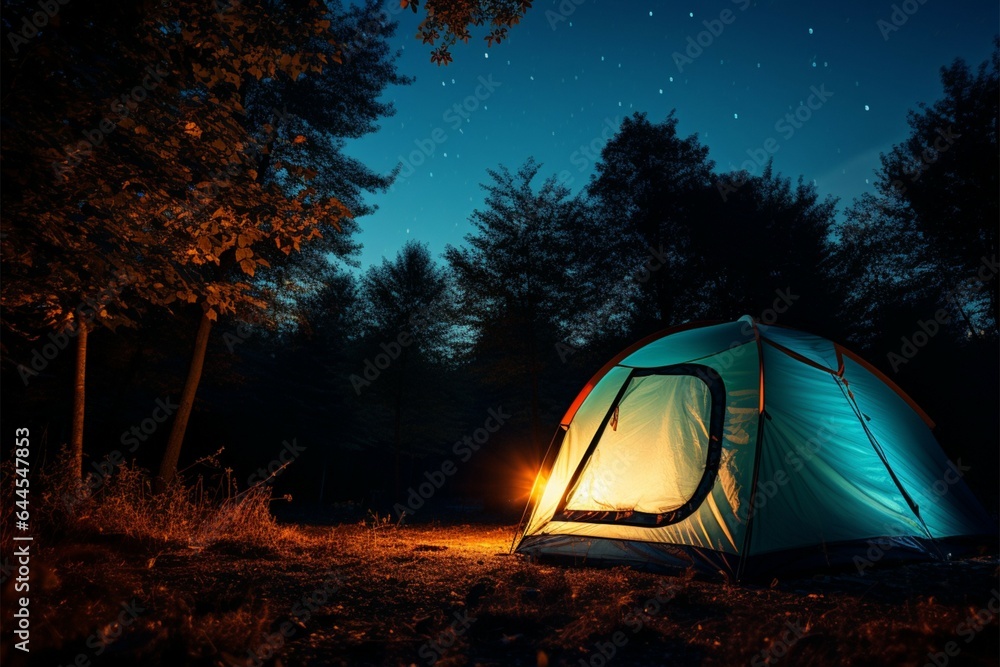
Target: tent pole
(761,416)
(530,505)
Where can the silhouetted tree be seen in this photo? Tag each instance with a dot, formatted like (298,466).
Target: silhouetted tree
(650,186)
(941,186)
(882,267)
(407,330)
(299,123)
(209,172)
(764,247)
(916,262)
(520,279)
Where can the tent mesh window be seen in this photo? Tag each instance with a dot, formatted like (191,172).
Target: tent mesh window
(656,456)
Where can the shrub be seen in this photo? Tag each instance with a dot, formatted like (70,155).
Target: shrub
(124,503)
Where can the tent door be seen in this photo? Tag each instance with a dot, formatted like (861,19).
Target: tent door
(656,455)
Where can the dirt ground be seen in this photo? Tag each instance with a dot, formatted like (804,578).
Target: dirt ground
(453,595)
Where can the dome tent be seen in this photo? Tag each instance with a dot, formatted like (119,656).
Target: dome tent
(745,448)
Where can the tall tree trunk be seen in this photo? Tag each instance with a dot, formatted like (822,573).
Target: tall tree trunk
(79,400)
(168,466)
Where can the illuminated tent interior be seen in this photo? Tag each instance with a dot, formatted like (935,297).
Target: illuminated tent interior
(746,449)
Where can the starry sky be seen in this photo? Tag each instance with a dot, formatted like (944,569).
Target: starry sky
(558,88)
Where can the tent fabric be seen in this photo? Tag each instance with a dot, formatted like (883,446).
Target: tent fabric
(628,471)
(815,453)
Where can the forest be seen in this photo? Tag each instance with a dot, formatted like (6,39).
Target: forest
(184,314)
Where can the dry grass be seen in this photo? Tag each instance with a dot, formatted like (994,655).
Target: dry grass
(218,580)
(398,591)
(209,513)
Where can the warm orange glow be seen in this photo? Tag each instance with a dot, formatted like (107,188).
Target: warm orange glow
(537,488)
(521,476)
(525,481)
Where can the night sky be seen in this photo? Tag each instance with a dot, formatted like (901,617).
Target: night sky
(561,84)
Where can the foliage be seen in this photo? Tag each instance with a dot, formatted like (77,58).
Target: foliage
(881,263)
(448,21)
(652,184)
(417,582)
(937,192)
(411,293)
(227,157)
(407,312)
(767,242)
(524,277)
(123,504)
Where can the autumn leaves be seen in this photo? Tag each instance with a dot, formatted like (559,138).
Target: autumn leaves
(121,107)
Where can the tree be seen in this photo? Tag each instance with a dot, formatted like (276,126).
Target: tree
(448,21)
(651,183)
(881,266)
(70,267)
(299,160)
(764,245)
(291,366)
(407,321)
(190,185)
(943,182)
(516,276)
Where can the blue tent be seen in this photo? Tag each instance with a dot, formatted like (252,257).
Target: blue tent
(746,448)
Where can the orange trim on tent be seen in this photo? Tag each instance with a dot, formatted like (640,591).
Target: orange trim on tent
(760,371)
(839,349)
(582,396)
(892,385)
(801,358)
